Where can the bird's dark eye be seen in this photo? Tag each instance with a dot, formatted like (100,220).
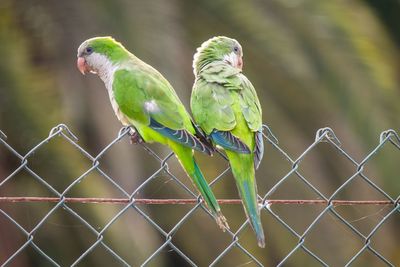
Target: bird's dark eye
(89,50)
(236,49)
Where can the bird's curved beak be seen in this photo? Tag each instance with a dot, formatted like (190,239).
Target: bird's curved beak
(240,63)
(82,65)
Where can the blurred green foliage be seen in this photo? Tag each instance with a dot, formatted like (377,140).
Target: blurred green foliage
(313,63)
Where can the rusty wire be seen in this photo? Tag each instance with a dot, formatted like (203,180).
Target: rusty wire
(182,201)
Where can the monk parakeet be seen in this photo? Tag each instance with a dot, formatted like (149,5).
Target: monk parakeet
(140,96)
(225,105)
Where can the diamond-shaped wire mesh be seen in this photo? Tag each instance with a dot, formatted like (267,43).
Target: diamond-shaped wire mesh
(131,201)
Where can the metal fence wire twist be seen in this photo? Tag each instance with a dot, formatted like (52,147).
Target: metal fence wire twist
(129,202)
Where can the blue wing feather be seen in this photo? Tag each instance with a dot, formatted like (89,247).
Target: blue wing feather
(182,137)
(228,141)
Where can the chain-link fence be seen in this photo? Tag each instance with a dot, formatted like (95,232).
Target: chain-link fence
(130,201)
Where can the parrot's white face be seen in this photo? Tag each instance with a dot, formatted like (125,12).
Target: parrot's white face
(100,64)
(93,62)
(234,59)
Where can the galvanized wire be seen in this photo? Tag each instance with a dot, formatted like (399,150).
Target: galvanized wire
(130,201)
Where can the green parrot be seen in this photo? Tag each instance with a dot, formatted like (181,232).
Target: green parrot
(143,98)
(225,106)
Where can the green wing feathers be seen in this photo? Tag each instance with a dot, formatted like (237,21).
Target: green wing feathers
(212,100)
(141,96)
(250,105)
(211,107)
(129,97)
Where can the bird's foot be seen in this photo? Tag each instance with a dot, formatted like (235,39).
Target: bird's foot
(135,138)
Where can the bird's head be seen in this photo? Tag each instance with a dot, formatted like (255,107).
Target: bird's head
(99,53)
(218,48)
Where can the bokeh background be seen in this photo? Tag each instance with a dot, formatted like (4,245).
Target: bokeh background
(313,64)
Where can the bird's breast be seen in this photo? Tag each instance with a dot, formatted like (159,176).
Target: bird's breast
(121,116)
(108,79)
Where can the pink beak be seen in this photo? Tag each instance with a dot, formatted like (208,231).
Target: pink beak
(240,63)
(82,65)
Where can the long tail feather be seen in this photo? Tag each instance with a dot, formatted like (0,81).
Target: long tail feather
(243,170)
(208,196)
(185,156)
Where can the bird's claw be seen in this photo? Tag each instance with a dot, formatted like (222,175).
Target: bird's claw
(135,138)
